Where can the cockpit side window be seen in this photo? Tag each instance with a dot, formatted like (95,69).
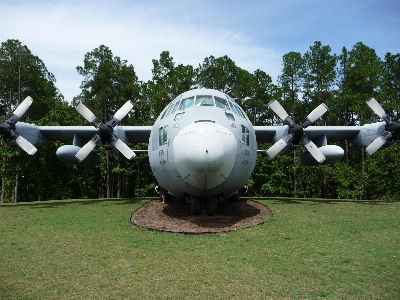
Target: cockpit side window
(172,107)
(175,107)
(186,103)
(237,110)
(166,112)
(229,116)
(234,108)
(221,103)
(162,135)
(204,100)
(245,136)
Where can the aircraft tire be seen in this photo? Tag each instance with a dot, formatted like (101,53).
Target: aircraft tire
(164,197)
(212,206)
(196,206)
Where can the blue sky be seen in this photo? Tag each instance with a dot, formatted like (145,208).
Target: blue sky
(254,33)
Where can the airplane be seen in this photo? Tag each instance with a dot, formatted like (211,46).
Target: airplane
(202,147)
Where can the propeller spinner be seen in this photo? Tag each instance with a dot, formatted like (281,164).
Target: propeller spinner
(7,129)
(296,131)
(105,131)
(392,129)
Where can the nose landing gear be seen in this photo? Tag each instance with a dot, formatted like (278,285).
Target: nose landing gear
(196,205)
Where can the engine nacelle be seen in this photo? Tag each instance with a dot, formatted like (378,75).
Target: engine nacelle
(67,153)
(30,132)
(332,154)
(368,133)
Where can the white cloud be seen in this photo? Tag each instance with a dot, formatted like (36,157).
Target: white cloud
(254,33)
(61,34)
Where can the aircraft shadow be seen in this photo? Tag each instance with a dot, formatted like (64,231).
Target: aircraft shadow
(229,215)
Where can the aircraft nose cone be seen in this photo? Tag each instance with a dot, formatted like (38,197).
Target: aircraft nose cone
(204,154)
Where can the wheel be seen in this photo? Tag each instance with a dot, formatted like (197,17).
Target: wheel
(212,206)
(196,206)
(164,196)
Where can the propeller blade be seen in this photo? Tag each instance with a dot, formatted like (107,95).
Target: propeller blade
(317,113)
(278,109)
(85,112)
(378,143)
(376,107)
(25,145)
(124,149)
(87,148)
(276,148)
(22,108)
(124,110)
(313,149)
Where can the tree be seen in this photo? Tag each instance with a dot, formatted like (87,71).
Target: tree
(168,82)
(22,74)
(291,79)
(261,92)
(108,83)
(391,85)
(217,73)
(319,75)
(362,80)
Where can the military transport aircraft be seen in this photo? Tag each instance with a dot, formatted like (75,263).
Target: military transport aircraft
(202,147)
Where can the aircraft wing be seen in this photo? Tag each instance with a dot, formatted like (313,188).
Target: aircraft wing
(134,134)
(269,134)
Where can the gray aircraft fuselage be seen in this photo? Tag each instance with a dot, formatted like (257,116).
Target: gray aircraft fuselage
(202,145)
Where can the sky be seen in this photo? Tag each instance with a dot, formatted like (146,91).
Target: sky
(255,34)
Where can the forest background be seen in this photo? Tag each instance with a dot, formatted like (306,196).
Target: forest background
(342,81)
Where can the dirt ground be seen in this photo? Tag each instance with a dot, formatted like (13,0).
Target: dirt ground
(176,217)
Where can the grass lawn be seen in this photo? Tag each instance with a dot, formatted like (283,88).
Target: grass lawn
(88,249)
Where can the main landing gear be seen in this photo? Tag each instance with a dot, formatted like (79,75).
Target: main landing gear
(164,196)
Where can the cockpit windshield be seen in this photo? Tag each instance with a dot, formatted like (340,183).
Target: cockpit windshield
(228,104)
(204,100)
(186,103)
(221,103)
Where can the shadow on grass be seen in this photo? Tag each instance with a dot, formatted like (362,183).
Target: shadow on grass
(58,203)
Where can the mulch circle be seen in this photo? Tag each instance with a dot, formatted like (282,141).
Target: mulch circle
(176,217)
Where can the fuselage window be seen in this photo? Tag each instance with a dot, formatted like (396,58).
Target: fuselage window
(162,135)
(186,103)
(204,101)
(245,136)
(221,103)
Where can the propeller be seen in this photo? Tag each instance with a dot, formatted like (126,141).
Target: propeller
(392,129)
(7,128)
(105,131)
(296,133)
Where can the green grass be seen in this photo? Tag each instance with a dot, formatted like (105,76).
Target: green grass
(88,249)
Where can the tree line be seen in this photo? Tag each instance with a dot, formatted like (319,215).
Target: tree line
(342,81)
